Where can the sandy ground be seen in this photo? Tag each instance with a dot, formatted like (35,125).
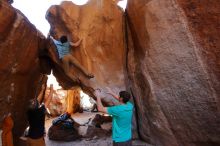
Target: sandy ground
(82,119)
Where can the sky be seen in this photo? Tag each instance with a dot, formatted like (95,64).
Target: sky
(35,10)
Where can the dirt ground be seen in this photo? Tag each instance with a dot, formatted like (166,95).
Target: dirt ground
(98,142)
(83,118)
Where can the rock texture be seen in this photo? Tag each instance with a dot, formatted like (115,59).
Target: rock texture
(98,126)
(173,64)
(20,68)
(26,56)
(57,105)
(100,25)
(204,21)
(61,133)
(73,101)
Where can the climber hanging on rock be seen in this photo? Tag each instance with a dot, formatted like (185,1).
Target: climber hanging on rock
(63,48)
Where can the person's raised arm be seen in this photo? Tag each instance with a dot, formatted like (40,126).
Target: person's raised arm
(49,36)
(50,96)
(100,106)
(54,40)
(76,44)
(40,95)
(112,93)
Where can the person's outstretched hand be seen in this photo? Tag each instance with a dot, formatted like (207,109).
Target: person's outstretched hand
(43,87)
(109,91)
(98,93)
(49,36)
(51,86)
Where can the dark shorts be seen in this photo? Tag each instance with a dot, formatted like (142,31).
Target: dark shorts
(126,143)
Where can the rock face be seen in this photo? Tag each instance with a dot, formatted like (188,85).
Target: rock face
(100,25)
(20,71)
(204,21)
(61,133)
(173,65)
(57,106)
(97,127)
(26,56)
(73,101)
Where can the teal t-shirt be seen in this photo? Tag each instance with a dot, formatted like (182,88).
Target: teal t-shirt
(121,121)
(62,48)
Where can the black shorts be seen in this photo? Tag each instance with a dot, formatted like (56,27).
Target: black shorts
(126,143)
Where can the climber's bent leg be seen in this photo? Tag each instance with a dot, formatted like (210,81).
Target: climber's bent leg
(66,67)
(79,66)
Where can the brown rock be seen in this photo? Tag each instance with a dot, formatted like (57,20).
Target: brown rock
(95,132)
(173,64)
(64,101)
(20,71)
(204,21)
(60,133)
(99,120)
(56,106)
(8,1)
(100,25)
(73,101)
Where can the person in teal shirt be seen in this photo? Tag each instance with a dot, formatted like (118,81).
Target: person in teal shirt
(121,118)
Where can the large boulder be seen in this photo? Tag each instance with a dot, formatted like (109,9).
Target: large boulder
(174,70)
(97,126)
(20,67)
(102,52)
(59,132)
(100,119)
(57,105)
(73,101)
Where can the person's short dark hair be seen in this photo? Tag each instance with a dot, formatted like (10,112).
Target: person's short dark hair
(63,39)
(125,96)
(33,104)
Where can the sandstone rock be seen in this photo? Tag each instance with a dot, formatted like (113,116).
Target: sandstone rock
(99,120)
(203,19)
(94,126)
(8,1)
(59,133)
(173,65)
(100,24)
(65,101)
(95,132)
(20,70)
(73,101)
(56,106)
